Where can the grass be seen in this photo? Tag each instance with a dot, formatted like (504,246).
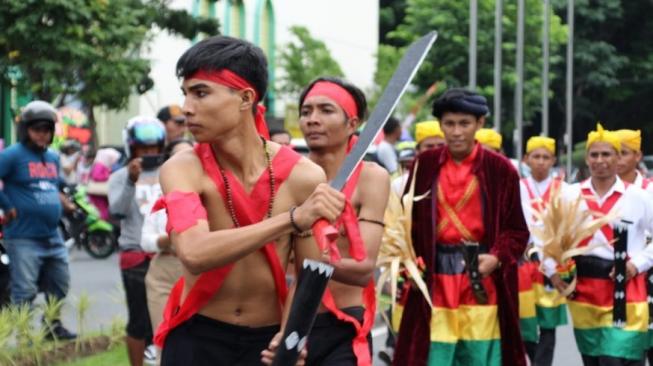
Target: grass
(115,357)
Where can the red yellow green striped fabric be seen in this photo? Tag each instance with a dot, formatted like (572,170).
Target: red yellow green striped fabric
(591,312)
(463,332)
(550,306)
(527,309)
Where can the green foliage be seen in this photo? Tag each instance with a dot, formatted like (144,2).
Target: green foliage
(87,49)
(51,312)
(448,61)
(83,304)
(613,64)
(303,60)
(6,330)
(117,356)
(117,331)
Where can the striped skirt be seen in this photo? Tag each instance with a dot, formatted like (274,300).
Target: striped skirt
(463,332)
(591,312)
(527,301)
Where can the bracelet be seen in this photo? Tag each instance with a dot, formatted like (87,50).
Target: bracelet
(295,227)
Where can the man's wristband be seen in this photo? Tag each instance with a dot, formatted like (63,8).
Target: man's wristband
(295,227)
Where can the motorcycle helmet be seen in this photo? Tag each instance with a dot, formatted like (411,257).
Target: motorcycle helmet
(143,131)
(36,114)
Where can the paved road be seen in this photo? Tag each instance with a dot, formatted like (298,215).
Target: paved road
(100,279)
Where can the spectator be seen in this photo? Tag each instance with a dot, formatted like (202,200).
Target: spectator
(165,268)
(132,192)
(386,153)
(69,158)
(85,164)
(32,205)
(98,188)
(174,121)
(281,137)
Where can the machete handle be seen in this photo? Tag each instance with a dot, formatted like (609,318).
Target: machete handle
(326,237)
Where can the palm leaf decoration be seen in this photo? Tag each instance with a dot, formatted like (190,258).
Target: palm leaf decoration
(562,227)
(397,255)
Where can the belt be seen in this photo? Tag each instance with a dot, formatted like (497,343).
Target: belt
(470,252)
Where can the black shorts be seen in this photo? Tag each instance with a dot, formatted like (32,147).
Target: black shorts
(330,342)
(202,341)
(138,323)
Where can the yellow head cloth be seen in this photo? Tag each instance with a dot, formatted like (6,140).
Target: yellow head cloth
(537,142)
(601,135)
(427,129)
(632,139)
(489,137)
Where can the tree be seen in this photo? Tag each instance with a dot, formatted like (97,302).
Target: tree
(613,64)
(303,60)
(86,49)
(448,61)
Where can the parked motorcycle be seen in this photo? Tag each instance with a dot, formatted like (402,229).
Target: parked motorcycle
(83,227)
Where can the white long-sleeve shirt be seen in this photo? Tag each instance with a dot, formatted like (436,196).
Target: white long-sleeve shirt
(634,205)
(154,227)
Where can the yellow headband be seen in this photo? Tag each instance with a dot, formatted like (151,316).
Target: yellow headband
(537,142)
(489,137)
(601,135)
(632,139)
(427,129)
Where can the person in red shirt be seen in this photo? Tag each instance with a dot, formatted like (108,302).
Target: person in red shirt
(470,232)
(233,204)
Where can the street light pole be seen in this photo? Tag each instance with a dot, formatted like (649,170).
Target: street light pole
(498,37)
(473,30)
(545,69)
(519,87)
(570,84)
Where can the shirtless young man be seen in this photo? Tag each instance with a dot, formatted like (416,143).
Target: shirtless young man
(330,110)
(226,200)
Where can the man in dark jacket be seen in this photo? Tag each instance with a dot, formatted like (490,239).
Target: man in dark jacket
(470,231)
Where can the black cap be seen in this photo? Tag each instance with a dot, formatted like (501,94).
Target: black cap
(460,100)
(172,111)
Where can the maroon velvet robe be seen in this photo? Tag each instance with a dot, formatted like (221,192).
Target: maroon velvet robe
(506,236)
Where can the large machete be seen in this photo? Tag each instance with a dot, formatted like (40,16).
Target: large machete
(325,234)
(311,286)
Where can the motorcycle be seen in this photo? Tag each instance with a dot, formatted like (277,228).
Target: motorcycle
(83,227)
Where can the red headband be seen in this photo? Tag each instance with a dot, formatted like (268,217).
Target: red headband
(336,93)
(232,80)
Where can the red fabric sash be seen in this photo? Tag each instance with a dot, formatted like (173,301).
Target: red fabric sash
(357,251)
(593,205)
(539,204)
(645,183)
(250,209)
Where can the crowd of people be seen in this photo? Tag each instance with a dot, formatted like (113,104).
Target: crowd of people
(214,229)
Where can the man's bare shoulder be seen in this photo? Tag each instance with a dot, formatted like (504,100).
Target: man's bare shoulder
(182,170)
(305,176)
(374,181)
(374,173)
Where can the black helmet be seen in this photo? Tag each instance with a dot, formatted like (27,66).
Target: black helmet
(36,113)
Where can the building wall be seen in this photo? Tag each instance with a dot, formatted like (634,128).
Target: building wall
(349,29)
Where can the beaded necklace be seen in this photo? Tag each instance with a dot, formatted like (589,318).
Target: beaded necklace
(230,202)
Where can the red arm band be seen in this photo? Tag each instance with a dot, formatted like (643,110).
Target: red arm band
(184,209)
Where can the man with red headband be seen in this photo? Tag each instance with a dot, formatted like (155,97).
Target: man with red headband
(233,204)
(330,110)
(470,231)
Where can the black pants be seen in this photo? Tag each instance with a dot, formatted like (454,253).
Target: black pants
(138,323)
(541,353)
(610,361)
(202,341)
(330,342)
